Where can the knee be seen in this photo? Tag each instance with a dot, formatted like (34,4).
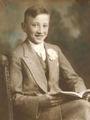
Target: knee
(83,105)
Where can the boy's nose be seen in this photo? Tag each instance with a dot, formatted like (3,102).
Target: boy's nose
(40,30)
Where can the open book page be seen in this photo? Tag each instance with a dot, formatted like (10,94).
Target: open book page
(84,93)
(71,93)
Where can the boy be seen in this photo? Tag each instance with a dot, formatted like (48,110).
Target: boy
(35,74)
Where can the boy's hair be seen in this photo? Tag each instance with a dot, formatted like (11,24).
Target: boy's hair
(34,11)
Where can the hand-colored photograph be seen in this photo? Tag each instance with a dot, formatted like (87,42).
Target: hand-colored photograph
(44,60)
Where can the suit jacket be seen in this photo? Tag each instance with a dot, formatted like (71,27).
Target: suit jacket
(28,80)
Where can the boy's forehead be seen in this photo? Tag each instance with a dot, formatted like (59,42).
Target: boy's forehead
(42,17)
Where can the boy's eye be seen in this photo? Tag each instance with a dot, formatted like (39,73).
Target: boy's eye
(45,25)
(34,25)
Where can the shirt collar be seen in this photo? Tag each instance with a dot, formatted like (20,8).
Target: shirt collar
(37,47)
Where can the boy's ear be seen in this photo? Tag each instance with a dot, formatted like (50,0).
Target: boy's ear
(23,25)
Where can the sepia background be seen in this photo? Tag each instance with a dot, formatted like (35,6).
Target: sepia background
(69,29)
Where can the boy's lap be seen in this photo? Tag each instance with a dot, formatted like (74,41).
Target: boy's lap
(76,110)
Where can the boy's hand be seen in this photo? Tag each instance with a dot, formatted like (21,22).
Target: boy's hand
(47,100)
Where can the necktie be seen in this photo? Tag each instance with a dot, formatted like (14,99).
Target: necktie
(41,52)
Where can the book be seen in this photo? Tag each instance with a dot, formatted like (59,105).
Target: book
(71,93)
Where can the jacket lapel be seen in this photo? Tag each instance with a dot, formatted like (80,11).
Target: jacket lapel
(31,60)
(53,68)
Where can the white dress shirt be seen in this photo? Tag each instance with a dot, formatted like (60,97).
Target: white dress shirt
(39,49)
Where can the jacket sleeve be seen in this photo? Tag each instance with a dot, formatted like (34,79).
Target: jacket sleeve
(75,82)
(25,103)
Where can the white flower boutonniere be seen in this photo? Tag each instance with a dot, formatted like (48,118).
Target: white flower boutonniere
(52,54)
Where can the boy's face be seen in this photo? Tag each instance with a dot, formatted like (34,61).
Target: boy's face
(37,28)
